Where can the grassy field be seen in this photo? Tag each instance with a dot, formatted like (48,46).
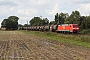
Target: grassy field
(74,39)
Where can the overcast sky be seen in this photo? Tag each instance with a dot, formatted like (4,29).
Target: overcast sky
(27,9)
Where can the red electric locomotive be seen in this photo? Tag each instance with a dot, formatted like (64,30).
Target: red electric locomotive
(73,28)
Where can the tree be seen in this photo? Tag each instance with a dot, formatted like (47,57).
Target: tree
(88,22)
(52,23)
(60,18)
(37,21)
(74,18)
(10,23)
(5,23)
(82,23)
(45,21)
(26,25)
(56,18)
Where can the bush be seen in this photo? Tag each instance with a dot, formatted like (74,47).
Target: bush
(85,31)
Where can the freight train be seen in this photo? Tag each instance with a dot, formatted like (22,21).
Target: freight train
(70,28)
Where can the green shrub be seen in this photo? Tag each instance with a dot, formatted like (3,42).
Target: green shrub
(85,31)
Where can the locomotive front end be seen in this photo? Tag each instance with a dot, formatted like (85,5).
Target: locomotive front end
(75,28)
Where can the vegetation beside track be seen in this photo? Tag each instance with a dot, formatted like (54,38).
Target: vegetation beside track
(74,39)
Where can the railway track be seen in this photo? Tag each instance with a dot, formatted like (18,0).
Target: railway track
(19,46)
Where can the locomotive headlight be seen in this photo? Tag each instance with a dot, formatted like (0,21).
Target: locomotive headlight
(73,28)
(77,28)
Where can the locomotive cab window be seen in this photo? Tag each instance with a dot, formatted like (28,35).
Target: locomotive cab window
(75,26)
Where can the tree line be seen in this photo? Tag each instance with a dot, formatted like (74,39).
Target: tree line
(64,18)
(74,18)
(60,18)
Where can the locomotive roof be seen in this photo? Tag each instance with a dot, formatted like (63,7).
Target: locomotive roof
(68,24)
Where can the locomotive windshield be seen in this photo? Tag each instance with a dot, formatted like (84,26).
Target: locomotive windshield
(75,26)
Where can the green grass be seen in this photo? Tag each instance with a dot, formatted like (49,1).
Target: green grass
(0,30)
(80,40)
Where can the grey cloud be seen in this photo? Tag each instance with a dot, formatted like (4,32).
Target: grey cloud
(80,1)
(27,9)
(7,3)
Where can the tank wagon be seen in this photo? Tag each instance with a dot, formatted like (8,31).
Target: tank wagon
(71,28)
